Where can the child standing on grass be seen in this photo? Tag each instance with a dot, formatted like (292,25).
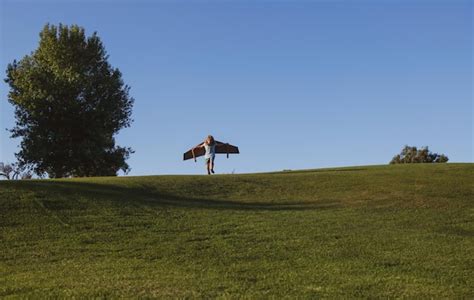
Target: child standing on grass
(210,146)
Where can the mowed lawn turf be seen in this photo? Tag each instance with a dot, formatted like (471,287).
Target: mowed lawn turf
(379,231)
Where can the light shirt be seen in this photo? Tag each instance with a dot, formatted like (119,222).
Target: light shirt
(210,150)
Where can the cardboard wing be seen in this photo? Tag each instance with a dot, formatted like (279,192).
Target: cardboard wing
(222,148)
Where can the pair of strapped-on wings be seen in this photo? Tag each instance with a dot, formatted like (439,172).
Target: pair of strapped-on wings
(221,148)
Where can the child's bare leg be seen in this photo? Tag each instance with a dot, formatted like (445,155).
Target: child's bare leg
(212,166)
(209,167)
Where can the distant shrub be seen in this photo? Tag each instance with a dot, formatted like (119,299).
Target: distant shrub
(411,155)
(14,171)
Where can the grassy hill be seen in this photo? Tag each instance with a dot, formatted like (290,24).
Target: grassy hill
(380,231)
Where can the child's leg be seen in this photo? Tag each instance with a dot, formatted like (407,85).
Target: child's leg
(212,165)
(208,163)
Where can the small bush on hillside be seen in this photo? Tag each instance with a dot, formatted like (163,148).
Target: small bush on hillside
(414,155)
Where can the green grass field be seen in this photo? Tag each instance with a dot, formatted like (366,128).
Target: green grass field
(379,231)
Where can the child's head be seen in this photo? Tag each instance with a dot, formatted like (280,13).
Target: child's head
(210,140)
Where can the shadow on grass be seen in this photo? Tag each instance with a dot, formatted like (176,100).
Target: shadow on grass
(136,196)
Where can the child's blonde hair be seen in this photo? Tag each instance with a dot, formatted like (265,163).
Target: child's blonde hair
(210,140)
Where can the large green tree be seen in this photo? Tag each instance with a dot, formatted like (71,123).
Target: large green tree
(69,104)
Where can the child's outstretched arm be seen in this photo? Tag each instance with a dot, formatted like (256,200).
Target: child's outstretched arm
(199,146)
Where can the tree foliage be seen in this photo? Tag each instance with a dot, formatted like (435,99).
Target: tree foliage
(411,154)
(69,104)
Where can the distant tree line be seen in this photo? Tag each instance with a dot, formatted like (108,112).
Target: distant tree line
(14,171)
(411,154)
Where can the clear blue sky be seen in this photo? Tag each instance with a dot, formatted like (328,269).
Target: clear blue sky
(295,84)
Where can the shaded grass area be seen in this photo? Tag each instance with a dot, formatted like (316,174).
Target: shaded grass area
(383,231)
